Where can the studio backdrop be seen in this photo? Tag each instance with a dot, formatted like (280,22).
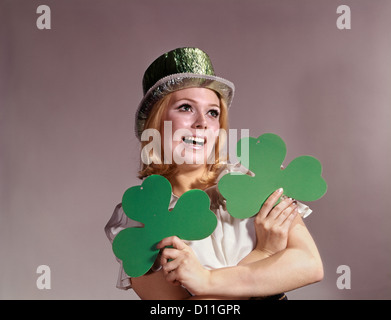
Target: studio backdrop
(317,73)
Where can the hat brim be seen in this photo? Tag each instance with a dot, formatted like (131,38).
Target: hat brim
(177,82)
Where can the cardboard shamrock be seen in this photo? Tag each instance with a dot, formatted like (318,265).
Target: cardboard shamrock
(245,194)
(190,219)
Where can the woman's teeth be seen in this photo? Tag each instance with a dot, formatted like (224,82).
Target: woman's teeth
(194,140)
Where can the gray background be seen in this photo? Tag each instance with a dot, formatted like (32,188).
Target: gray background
(67,149)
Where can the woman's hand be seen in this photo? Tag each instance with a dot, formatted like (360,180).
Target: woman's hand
(181,266)
(272,223)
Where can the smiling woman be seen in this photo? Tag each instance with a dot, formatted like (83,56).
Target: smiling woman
(193,125)
(191,115)
(272,252)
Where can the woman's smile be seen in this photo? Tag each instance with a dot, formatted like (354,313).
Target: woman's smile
(196,143)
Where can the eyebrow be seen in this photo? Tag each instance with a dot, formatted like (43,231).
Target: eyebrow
(194,101)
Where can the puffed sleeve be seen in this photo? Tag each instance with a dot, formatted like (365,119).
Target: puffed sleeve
(117,223)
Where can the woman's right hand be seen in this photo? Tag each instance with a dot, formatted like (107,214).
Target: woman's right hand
(272,223)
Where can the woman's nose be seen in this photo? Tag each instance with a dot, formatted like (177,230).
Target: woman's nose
(200,122)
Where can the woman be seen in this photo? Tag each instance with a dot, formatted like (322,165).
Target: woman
(263,256)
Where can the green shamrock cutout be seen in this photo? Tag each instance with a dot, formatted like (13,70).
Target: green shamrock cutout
(190,219)
(245,194)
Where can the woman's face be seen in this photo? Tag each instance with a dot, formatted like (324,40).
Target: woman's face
(194,115)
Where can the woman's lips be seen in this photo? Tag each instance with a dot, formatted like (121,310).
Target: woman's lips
(194,141)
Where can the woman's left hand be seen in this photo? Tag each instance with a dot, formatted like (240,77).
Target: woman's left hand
(181,266)
(273,222)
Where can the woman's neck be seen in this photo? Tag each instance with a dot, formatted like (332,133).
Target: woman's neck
(186,178)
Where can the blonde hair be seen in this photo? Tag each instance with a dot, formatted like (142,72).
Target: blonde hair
(157,166)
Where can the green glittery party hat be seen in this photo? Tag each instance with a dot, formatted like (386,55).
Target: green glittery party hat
(175,70)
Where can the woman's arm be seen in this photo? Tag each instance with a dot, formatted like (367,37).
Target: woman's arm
(296,266)
(153,286)
(297,263)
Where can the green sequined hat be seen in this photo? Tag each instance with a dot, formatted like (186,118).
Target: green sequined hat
(179,69)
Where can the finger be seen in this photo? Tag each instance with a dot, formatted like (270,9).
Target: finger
(285,214)
(165,242)
(171,241)
(278,209)
(172,277)
(269,203)
(167,255)
(287,223)
(176,283)
(170,253)
(171,266)
(292,216)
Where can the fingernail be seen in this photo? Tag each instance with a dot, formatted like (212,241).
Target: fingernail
(279,190)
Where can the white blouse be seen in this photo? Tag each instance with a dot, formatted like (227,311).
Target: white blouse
(232,240)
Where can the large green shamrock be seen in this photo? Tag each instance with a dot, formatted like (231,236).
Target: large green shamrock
(190,219)
(245,194)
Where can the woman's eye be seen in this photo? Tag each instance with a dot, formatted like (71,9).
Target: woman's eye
(214,113)
(184,107)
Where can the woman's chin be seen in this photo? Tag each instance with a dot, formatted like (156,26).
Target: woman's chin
(195,160)
(190,154)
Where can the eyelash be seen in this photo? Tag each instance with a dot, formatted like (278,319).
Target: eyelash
(182,107)
(217,113)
